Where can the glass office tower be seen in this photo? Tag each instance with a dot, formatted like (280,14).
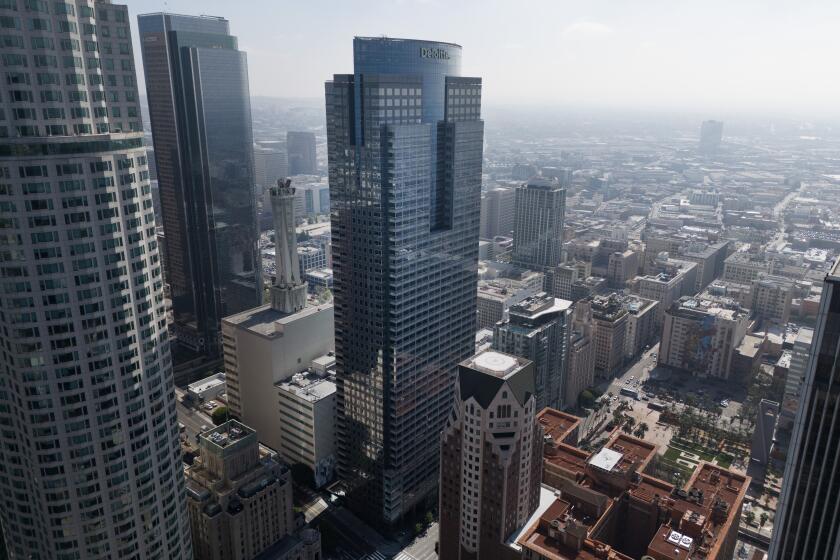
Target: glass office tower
(90,460)
(806,524)
(404,152)
(199,105)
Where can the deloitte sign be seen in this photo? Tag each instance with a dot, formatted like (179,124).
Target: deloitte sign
(440,54)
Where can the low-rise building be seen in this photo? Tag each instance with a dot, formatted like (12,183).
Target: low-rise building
(307,409)
(319,280)
(496,296)
(771,298)
(208,388)
(602,505)
(744,267)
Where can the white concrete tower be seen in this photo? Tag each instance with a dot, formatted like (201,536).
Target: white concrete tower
(289,292)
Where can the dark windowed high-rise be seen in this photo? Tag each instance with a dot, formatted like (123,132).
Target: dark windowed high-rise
(539,216)
(300,147)
(199,105)
(711,135)
(90,461)
(405,153)
(806,524)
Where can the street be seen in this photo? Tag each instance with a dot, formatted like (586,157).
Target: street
(191,418)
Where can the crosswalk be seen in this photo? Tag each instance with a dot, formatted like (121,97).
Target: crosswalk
(423,555)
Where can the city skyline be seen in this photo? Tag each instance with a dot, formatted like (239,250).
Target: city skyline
(653,55)
(557,334)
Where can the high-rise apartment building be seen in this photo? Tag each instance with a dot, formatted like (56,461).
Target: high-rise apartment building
(537,328)
(90,461)
(806,519)
(491,457)
(580,373)
(700,335)
(711,135)
(199,106)
(300,147)
(609,318)
(240,500)
(538,224)
(404,137)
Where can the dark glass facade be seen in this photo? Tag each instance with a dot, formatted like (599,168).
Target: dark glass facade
(404,153)
(300,147)
(806,524)
(199,104)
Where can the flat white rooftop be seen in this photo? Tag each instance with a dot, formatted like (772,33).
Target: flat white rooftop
(495,363)
(606,459)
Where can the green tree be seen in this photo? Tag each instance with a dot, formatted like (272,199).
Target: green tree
(641,430)
(586,398)
(762,519)
(219,415)
(749,517)
(430,518)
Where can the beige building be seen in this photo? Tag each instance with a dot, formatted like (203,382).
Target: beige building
(563,277)
(239,497)
(581,368)
(622,267)
(672,279)
(266,345)
(609,318)
(307,407)
(771,297)
(700,335)
(641,324)
(744,267)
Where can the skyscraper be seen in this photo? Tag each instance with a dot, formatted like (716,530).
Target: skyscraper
(300,147)
(491,457)
(199,105)
(538,328)
(270,163)
(711,134)
(90,465)
(539,216)
(497,207)
(806,519)
(405,152)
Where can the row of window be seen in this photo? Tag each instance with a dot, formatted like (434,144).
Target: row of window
(62,26)
(64,8)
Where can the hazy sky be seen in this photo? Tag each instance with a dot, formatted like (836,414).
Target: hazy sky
(698,55)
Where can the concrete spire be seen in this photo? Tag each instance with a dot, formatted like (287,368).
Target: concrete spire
(289,292)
